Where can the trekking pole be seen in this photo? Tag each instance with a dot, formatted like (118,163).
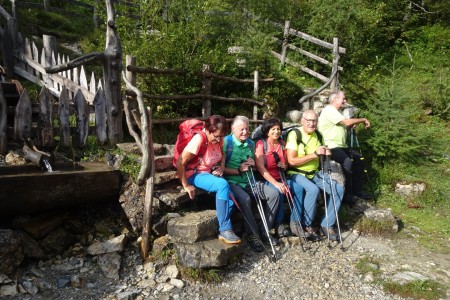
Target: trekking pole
(246,220)
(327,162)
(260,209)
(353,137)
(292,207)
(325,197)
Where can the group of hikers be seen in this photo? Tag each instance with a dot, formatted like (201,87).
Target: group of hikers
(271,170)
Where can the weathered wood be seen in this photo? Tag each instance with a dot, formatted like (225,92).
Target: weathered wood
(82,129)
(71,186)
(287,25)
(85,59)
(112,68)
(255,94)
(64,114)
(100,116)
(49,49)
(312,56)
(133,133)
(206,89)
(335,82)
(36,157)
(3,115)
(8,52)
(45,124)
(22,117)
(83,78)
(303,68)
(197,96)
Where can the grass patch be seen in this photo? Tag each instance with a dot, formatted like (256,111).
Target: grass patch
(202,275)
(418,289)
(367,265)
(375,228)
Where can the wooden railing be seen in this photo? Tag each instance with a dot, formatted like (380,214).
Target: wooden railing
(205,96)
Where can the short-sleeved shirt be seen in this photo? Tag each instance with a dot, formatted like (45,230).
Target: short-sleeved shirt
(271,164)
(309,144)
(212,156)
(334,133)
(241,151)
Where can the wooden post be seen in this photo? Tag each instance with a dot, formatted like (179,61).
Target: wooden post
(255,94)
(45,118)
(335,82)
(22,117)
(49,49)
(206,87)
(63,115)
(46,5)
(131,76)
(3,115)
(82,129)
(13,8)
(287,25)
(112,68)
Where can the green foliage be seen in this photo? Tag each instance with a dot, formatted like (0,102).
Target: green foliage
(367,265)
(417,289)
(375,228)
(202,275)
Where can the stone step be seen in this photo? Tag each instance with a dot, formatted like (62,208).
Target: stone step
(193,227)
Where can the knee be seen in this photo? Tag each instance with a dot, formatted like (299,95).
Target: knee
(222,184)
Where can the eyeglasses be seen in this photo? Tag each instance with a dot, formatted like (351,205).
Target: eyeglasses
(310,120)
(217,137)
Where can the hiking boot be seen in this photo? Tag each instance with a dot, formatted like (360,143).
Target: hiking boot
(282,231)
(330,233)
(268,239)
(311,234)
(296,229)
(255,243)
(229,237)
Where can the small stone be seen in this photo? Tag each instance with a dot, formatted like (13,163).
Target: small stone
(172,271)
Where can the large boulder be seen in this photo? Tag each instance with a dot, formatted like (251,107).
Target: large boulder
(207,254)
(193,227)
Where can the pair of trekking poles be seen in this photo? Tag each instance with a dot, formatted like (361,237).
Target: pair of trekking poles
(256,194)
(325,165)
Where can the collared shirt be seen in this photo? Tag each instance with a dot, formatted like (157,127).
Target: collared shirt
(334,133)
(241,151)
(309,144)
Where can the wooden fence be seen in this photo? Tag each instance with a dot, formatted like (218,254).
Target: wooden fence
(205,96)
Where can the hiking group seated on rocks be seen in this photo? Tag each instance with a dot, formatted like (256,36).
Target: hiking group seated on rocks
(242,171)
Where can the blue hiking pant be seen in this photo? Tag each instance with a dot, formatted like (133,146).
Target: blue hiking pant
(312,188)
(297,195)
(224,204)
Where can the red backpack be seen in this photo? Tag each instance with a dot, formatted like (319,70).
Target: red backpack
(188,129)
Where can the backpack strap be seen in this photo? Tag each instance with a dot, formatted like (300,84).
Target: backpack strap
(283,146)
(203,148)
(320,137)
(230,145)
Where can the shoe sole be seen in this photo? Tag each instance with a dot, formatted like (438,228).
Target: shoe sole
(228,241)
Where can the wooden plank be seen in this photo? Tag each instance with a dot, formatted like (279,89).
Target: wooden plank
(22,117)
(303,68)
(83,78)
(92,88)
(199,97)
(8,52)
(314,40)
(28,76)
(3,114)
(312,56)
(100,116)
(4,13)
(82,109)
(45,123)
(64,113)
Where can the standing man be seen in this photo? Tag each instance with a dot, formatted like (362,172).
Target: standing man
(303,150)
(333,125)
(239,158)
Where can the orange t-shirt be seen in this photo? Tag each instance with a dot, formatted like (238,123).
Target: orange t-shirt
(271,165)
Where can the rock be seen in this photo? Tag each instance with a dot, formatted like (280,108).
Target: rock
(164,163)
(15,158)
(31,248)
(63,282)
(410,190)
(172,271)
(160,227)
(8,289)
(11,251)
(383,216)
(109,263)
(193,227)
(131,199)
(30,288)
(294,116)
(131,295)
(129,148)
(160,244)
(116,244)
(164,177)
(58,240)
(173,200)
(177,283)
(206,254)
(405,277)
(76,281)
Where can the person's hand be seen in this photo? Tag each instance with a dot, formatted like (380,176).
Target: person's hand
(366,123)
(281,165)
(251,162)
(245,166)
(281,187)
(190,189)
(218,171)
(322,150)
